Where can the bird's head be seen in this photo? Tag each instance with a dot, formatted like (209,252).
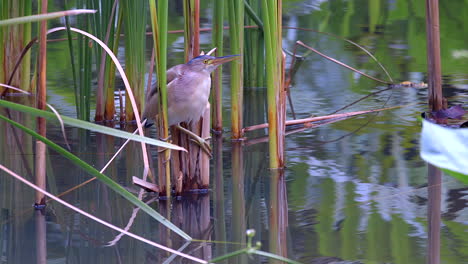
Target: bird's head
(209,63)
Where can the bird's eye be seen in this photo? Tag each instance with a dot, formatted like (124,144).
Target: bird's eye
(205,61)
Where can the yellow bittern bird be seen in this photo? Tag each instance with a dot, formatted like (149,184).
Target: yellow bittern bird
(188,90)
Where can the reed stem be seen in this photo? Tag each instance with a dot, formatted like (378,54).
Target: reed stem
(109,111)
(217,84)
(435,99)
(135,25)
(26,8)
(107,16)
(41,97)
(192,28)
(275,76)
(236,34)
(159,17)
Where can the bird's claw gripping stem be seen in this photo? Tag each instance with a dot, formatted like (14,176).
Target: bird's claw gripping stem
(197,139)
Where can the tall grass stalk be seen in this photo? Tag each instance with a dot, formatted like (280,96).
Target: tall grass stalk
(217,84)
(3,16)
(41,102)
(159,18)
(254,49)
(236,34)
(26,7)
(14,36)
(435,98)
(192,28)
(134,16)
(109,110)
(106,16)
(72,59)
(84,67)
(275,75)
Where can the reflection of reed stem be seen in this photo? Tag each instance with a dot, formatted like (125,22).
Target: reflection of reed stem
(434,183)
(238,198)
(278,214)
(218,194)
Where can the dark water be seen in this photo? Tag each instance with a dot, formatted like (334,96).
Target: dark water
(355,190)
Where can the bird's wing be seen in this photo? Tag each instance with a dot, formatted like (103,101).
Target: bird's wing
(174,73)
(151,104)
(171,74)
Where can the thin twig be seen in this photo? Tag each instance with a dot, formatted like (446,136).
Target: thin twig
(319,118)
(341,63)
(360,99)
(347,40)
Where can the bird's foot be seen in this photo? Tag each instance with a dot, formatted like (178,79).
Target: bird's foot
(202,142)
(167,139)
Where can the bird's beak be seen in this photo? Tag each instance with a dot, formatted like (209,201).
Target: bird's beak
(220,60)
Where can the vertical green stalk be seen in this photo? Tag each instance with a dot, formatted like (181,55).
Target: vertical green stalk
(249,46)
(236,33)
(254,46)
(72,59)
(163,11)
(84,66)
(109,110)
(187,4)
(26,7)
(192,28)
(217,84)
(86,88)
(105,31)
(134,16)
(81,68)
(3,15)
(159,18)
(272,29)
(13,39)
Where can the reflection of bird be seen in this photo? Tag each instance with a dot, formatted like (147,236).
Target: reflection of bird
(188,90)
